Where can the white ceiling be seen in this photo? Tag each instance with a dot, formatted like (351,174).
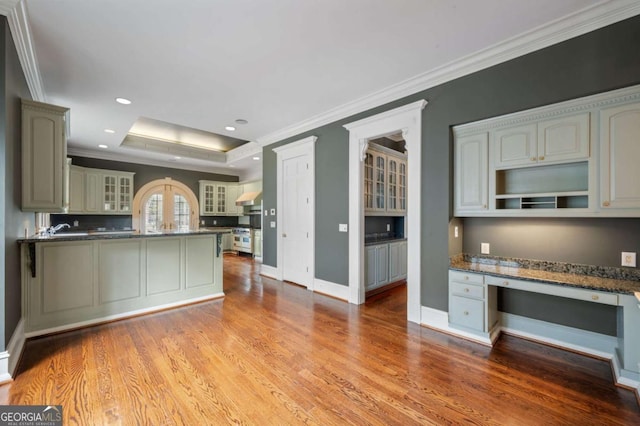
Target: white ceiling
(276,63)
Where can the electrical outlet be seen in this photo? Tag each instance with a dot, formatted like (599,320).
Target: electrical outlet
(455,232)
(342,227)
(273,224)
(388,227)
(76,223)
(266,212)
(273,212)
(628,259)
(202,222)
(484,248)
(215,222)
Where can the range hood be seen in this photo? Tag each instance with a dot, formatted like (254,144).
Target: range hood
(250,199)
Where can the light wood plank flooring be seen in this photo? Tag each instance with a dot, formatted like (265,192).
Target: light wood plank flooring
(272,353)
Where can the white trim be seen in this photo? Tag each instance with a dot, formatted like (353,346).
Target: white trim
(10,357)
(331,289)
(123,315)
(407,119)
(19,26)
(573,25)
(439,320)
(7,6)
(284,152)
(269,271)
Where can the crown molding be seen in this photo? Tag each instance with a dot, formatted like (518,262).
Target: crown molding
(243,151)
(581,22)
(19,26)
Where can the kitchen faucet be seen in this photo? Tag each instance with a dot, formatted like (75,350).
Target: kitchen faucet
(53,229)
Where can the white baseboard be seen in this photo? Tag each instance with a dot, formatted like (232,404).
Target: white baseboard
(9,358)
(573,339)
(269,271)
(331,289)
(122,315)
(439,320)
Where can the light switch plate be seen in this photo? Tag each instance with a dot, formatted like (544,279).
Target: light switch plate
(484,248)
(628,259)
(343,227)
(266,212)
(273,212)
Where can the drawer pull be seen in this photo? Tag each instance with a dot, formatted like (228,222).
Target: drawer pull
(533,158)
(541,158)
(506,283)
(466,290)
(605,204)
(595,297)
(466,312)
(466,278)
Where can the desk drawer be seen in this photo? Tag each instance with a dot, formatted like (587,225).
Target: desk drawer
(465,277)
(467,290)
(556,290)
(466,312)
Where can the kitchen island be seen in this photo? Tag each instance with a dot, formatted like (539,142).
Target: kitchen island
(74,280)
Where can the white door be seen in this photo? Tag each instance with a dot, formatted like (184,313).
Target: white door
(295,222)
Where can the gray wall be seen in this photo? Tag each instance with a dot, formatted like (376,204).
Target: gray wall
(15,88)
(596,62)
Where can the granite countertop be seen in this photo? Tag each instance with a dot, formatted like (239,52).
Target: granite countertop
(112,235)
(381,237)
(615,280)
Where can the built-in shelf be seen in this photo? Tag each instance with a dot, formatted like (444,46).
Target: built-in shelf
(568,200)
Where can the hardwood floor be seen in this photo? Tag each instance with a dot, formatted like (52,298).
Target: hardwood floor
(274,353)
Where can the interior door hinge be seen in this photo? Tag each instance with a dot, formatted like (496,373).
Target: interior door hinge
(307,235)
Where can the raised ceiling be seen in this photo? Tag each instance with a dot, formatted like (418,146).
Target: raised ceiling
(283,65)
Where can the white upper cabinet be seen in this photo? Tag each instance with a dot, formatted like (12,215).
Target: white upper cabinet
(550,141)
(44,157)
(471,192)
(97,191)
(578,158)
(620,158)
(385,182)
(515,146)
(219,198)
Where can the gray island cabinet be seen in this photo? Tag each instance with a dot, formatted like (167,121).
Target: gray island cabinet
(73,281)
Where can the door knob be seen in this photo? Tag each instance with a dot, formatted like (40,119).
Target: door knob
(284,235)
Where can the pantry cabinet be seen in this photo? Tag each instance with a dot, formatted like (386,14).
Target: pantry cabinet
(385,263)
(44,157)
(385,182)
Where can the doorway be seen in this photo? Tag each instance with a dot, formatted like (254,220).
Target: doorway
(408,121)
(296,212)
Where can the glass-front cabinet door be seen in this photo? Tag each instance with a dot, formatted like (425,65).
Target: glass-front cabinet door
(109,188)
(392,189)
(368,181)
(402,187)
(124,193)
(380,182)
(221,199)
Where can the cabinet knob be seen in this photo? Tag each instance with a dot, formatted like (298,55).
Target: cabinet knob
(466,312)
(506,283)
(466,290)
(466,277)
(541,158)
(533,158)
(484,206)
(595,297)
(605,204)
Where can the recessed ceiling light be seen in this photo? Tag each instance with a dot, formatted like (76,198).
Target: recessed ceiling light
(231,165)
(256,158)
(230,128)
(177,158)
(241,121)
(123,101)
(109,131)
(103,146)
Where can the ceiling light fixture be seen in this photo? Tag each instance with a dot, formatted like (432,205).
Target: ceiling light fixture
(241,121)
(109,131)
(230,128)
(123,101)
(177,158)
(103,146)
(256,158)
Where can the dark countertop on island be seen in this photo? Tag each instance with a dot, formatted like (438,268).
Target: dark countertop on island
(615,280)
(111,235)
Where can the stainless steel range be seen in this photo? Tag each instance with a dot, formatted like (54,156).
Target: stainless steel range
(242,240)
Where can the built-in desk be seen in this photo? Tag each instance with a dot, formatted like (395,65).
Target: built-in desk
(473,313)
